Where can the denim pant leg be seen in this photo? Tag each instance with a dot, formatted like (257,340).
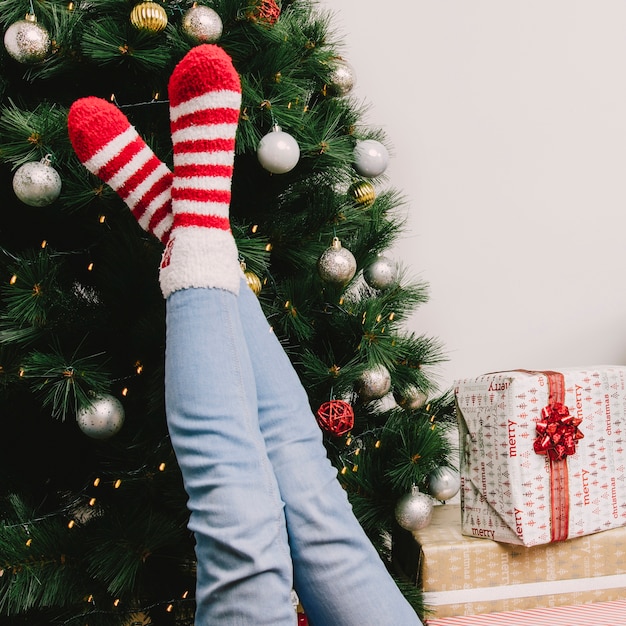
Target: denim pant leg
(244,574)
(338,575)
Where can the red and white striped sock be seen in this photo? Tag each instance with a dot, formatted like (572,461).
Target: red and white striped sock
(109,147)
(205,96)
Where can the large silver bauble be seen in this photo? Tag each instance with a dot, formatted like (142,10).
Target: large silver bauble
(26,41)
(374,383)
(411,398)
(202,24)
(370,158)
(103,418)
(444,483)
(37,183)
(381,274)
(278,152)
(414,510)
(337,265)
(342,77)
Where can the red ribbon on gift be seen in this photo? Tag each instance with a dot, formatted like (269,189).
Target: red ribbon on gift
(557,436)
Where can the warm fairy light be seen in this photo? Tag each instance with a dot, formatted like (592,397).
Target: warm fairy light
(355,468)
(29,542)
(377,444)
(357,452)
(44,243)
(364,316)
(117,483)
(170,608)
(138,367)
(102,219)
(341,301)
(348,441)
(185,594)
(344,469)
(125,391)
(156,95)
(13,279)
(96,482)
(71,524)
(70,6)
(89,598)
(112,97)
(92,502)
(287,304)
(268,247)
(90,267)
(272,329)
(254,229)
(162,467)
(392,316)
(116,602)
(379,317)
(21,373)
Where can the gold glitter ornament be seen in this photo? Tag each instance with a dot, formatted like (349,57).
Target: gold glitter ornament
(254,282)
(363,193)
(149,17)
(27,41)
(202,24)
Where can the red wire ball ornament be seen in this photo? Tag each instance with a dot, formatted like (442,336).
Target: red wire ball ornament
(265,12)
(336,417)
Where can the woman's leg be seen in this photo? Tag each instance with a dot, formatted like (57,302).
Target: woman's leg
(244,566)
(338,574)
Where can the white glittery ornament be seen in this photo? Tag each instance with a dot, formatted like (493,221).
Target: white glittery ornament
(444,483)
(381,274)
(278,152)
(414,510)
(370,158)
(26,41)
(37,183)
(202,24)
(342,77)
(103,418)
(411,398)
(374,383)
(337,264)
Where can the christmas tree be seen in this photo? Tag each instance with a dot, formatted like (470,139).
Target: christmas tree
(91,500)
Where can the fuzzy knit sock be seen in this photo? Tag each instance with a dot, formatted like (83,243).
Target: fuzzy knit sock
(205,96)
(109,147)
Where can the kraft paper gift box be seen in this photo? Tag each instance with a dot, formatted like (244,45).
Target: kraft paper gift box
(543,454)
(461,575)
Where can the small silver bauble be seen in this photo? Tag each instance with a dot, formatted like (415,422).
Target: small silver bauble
(202,24)
(411,398)
(278,152)
(444,483)
(374,383)
(26,41)
(370,158)
(337,264)
(381,274)
(342,77)
(414,510)
(103,418)
(37,183)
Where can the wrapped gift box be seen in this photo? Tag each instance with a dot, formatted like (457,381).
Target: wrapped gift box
(462,575)
(527,476)
(601,614)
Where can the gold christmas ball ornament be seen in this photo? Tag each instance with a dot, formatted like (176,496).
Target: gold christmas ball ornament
(414,510)
(149,17)
(27,41)
(202,24)
(37,183)
(363,193)
(254,282)
(337,265)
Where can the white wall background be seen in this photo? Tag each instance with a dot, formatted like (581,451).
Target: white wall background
(508,125)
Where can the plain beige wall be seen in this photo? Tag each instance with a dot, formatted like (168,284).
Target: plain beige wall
(507,120)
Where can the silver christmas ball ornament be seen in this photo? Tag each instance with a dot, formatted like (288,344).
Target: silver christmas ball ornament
(444,483)
(342,77)
(337,264)
(370,158)
(414,510)
(278,152)
(381,274)
(37,183)
(374,383)
(103,418)
(202,24)
(27,41)
(411,398)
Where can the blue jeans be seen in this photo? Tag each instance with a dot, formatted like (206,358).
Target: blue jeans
(267,511)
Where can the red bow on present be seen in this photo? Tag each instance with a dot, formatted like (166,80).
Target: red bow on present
(557,432)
